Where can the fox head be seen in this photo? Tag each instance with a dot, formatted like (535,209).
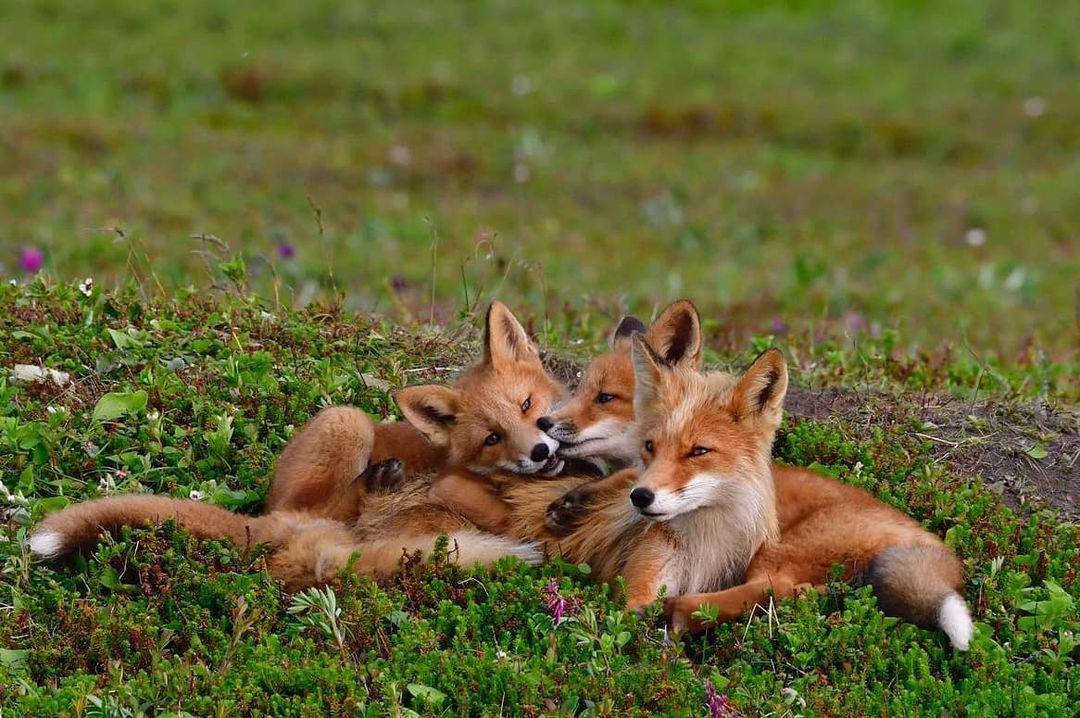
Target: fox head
(488,419)
(706,439)
(597,421)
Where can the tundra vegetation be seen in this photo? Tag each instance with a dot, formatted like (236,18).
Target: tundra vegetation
(288,205)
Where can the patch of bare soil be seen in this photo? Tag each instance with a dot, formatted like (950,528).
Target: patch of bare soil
(1020,450)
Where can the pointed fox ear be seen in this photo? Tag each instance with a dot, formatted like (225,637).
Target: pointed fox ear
(676,334)
(505,340)
(760,391)
(624,333)
(431,408)
(649,368)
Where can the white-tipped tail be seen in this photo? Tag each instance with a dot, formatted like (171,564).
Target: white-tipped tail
(49,544)
(478,547)
(954,619)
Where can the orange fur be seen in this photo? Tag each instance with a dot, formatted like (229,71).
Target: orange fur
(326,477)
(596,421)
(724,526)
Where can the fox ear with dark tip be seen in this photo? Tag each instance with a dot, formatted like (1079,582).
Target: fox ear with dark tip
(676,334)
(760,391)
(505,340)
(624,333)
(431,408)
(649,368)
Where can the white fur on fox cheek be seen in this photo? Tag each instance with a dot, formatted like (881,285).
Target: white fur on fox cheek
(701,490)
(609,438)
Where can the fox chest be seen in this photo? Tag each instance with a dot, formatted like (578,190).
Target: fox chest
(706,558)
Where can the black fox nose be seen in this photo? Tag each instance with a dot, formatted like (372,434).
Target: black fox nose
(641,497)
(540,452)
(544,423)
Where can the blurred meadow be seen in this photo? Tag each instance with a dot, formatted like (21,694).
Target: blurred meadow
(794,167)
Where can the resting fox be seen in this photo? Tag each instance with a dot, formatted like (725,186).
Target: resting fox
(479,430)
(712,518)
(485,422)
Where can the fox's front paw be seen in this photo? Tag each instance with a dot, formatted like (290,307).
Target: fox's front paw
(385,477)
(565,515)
(679,612)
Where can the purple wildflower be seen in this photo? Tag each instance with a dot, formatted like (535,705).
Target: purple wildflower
(398,283)
(286,251)
(778,327)
(855,321)
(556,604)
(718,704)
(31,260)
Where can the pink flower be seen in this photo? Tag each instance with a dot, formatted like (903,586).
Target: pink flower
(31,260)
(556,604)
(718,704)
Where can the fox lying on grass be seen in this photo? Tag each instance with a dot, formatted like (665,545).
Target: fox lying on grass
(480,430)
(485,422)
(712,518)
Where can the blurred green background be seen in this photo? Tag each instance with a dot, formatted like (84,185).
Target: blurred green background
(801,166)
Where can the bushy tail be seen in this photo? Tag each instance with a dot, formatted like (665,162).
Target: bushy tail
(78,527)
(922,584)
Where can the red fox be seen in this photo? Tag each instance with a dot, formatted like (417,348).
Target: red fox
(715,521)
(483,427)
(595,423)
(485,422)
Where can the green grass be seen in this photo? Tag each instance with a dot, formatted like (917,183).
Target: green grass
(155,623)
(820,164)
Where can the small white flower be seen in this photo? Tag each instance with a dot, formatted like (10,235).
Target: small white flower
(1035,107)
(51,409)
(975,237)
(501,655)
(104,484)
(195,495)
(86,286)
(521,85)
(401,155)
(153,415)
(13,282)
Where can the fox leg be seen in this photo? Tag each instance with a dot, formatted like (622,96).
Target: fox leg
(474,499)
(645,572)
(319,469)
(729,604)
(566,514)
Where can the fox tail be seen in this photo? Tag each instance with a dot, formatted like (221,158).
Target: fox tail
(78,527)
(922,584)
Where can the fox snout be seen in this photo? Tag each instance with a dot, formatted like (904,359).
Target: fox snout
(641,497)
(544,423)
(540,452)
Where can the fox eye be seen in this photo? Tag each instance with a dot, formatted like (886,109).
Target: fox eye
(699,451)
(526,404)
(649,445)
(492,439)
(604,397)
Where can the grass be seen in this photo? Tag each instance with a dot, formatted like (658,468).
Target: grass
(823,166)
(286,205)
(204,391)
